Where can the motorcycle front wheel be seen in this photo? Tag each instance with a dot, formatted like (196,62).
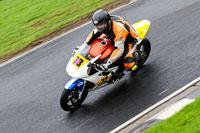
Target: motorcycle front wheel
(72,99)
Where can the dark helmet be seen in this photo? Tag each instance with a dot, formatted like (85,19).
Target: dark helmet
(101,19)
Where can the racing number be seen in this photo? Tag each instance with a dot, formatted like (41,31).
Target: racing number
(78,61)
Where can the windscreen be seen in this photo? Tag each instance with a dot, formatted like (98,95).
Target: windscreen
(83,50)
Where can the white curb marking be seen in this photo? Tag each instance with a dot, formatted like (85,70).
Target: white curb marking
(154,106)
(168,112)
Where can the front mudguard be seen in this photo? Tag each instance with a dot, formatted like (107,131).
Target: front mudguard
(71,98)
(73,83)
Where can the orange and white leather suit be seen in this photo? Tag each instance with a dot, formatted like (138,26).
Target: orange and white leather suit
(123,36)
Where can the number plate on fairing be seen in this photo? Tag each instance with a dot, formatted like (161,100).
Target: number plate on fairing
(79,60)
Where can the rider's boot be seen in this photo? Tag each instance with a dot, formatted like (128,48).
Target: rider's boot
(117,75)
(138,55)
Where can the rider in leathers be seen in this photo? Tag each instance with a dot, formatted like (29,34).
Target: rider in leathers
(121,34)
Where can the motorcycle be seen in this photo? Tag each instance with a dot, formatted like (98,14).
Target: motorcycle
(83,67)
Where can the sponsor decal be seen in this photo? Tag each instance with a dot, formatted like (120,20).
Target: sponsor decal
(120,38)
(95,22)
(103,80)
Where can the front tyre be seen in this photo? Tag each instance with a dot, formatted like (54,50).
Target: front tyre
(72,99)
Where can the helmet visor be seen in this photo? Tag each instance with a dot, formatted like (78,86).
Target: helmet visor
(101,27)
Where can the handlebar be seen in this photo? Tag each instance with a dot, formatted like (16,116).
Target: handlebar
(95,65)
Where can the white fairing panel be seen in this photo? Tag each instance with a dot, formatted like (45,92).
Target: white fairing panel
(70,68)
(75,72)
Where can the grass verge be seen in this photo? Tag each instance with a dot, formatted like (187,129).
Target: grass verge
(24,21)
(185,121)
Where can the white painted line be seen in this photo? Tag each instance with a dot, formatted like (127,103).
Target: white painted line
(154,106)
(37,47)
(171,110)
(163,92)
(122,6)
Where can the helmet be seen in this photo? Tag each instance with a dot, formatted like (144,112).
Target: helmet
(101,19)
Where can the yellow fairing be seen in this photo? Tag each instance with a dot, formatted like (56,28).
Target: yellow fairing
(142,28)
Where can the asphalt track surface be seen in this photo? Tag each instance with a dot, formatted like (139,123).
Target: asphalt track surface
(30,87)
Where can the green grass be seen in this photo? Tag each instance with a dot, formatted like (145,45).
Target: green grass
(185,121)
(22,21)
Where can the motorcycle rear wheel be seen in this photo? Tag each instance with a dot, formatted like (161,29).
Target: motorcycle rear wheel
(72,99)
(145,48)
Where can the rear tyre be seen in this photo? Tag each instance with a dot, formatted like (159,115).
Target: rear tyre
(72,99)
(145,48)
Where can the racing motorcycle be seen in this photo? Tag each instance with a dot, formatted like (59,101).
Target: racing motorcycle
(83,67)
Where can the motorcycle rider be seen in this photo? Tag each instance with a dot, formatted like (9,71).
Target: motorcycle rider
(124,38)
